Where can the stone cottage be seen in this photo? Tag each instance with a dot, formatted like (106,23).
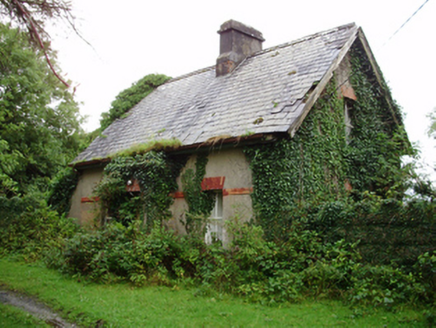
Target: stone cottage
(252,96)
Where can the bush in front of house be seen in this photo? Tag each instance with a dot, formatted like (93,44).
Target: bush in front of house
(29,227)
(250,266)
(318,258)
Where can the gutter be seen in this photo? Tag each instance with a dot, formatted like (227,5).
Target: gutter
(226,143)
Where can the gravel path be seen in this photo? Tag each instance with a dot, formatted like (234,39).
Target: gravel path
(34,307)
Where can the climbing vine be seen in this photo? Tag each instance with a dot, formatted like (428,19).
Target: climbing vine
(200,203)
(62,189)
(292,174)
(156,173)
(377,142)
(293,177)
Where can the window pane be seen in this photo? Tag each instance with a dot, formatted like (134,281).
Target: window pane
(215,230)
(219,205)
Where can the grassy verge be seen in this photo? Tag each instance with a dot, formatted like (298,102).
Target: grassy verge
(12,317)
(121,305)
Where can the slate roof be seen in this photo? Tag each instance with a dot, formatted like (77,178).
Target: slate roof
(264,94)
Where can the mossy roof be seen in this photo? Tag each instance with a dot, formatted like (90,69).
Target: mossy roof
(265,94)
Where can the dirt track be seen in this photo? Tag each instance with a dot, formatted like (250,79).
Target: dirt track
(34,307)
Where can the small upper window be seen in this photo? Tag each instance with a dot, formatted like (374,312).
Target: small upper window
(348,125)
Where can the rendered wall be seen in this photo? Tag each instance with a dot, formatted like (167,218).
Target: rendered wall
(234,167)
(83,207)
(230,164)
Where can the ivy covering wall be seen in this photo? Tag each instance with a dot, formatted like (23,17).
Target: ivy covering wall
(156,173)
(293,176)
(377,141)
(200,203)
(309,168)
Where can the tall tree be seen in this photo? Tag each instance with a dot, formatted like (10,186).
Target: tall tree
(32,15)
(129,97)
(39,119)
(432,128)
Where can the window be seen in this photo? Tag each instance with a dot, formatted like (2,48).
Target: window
(348,125)
(215,229)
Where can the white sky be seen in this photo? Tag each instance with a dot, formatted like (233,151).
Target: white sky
(133,38)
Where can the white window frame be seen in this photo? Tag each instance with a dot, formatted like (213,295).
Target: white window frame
(215,225)
(347,119)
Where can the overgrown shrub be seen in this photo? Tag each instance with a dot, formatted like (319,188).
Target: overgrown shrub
(425,270)
(384,285)
(34,231)
(156,173)
(251,266)
(62,189)
(116,252)
(388,230)
(11,208)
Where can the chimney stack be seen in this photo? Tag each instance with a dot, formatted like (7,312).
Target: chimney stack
(237,42)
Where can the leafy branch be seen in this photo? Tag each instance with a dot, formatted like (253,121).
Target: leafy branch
(32,15)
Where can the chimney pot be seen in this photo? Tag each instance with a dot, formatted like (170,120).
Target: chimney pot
(237,42)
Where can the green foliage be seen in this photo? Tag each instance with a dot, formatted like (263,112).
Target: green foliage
(293,177)
(62,189)
(388,230)
(288,271)
(377,142)
(425,269)
(305,265)
(200,203)
(116,202)
(156,173)
(260,270)
(129,97)
(384,285)
(12,317)
(11,208)
(39,120)
(116,252)
(191,181)
(155,145)
(121,305)
(310,168)
(432,127)
(34,231)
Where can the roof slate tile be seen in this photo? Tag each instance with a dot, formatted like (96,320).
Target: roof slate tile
(193,108)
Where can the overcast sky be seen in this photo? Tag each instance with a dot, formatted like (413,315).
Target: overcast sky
(133,38)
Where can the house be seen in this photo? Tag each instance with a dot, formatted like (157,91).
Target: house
(299,93)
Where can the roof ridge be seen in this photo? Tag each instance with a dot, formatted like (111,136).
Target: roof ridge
(200,106)
(283,45)
(198,71)
(305,38)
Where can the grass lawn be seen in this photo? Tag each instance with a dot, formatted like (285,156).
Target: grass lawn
(11,317)
(121,305)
